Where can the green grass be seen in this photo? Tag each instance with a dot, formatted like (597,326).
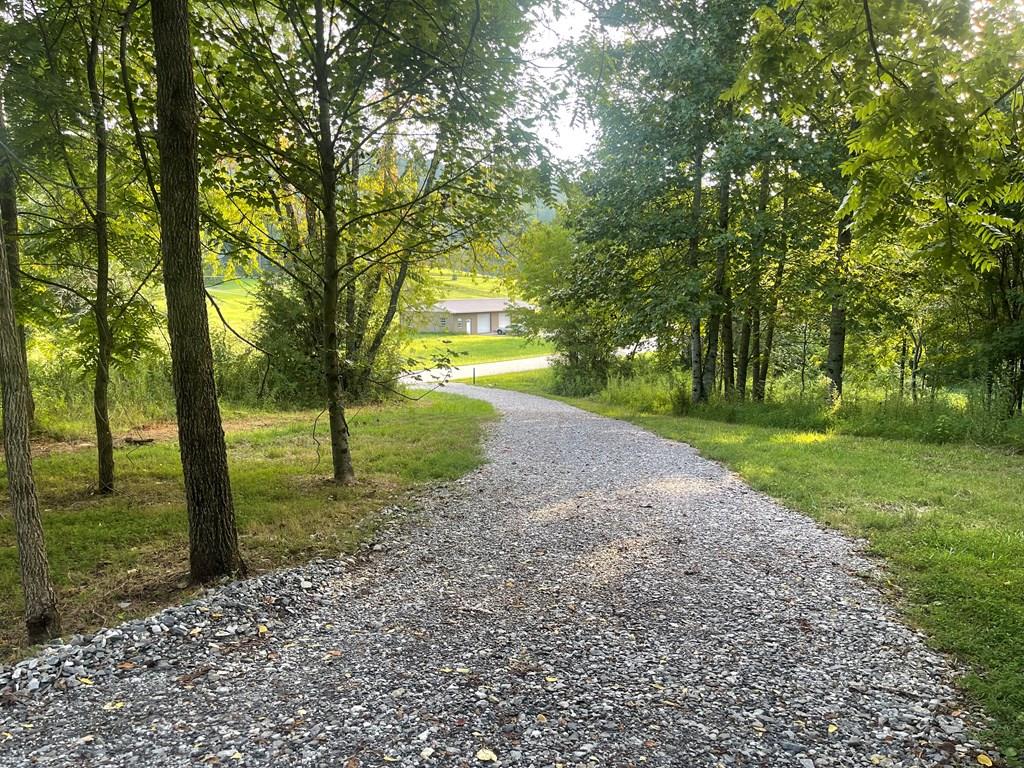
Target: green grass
(947,519)
(236,301)
(470,350)
(131,547)
(466,285)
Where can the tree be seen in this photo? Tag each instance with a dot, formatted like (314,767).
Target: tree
(213,538)
(312,122)
(41,619)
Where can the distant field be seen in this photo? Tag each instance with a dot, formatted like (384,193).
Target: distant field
(470,350)
(235,299)
(465,285)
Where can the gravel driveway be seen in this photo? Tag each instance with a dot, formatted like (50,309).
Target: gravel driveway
(593,596)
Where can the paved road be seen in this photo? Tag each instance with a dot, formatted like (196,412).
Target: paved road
(466,372)
(592,596)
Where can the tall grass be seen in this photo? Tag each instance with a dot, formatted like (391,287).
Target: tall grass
(958,416)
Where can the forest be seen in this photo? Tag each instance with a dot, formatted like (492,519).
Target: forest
(809,199)
(794,225)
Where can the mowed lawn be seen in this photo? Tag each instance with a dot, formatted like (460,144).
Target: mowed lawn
(131,548)
(236,301)
(470,350)
(457,284)
(947,519)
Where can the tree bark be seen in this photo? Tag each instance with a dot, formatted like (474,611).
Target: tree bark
(743,358)
(104,338)
(341,457)
(9,222)
(903,365)
(728,355)
(41,618)
(697,393)
(761,382)
(837,316)
(718,288)
(213,538)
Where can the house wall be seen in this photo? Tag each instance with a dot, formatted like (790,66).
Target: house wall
(445,322)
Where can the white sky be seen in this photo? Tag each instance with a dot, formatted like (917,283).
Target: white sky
(564,139)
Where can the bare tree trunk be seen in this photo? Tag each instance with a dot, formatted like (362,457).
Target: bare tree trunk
(903,365)
(761,381)
(213,537)
(728,355)
(837,317)
(9,222)
(41,619)
(370,357)
(743,359)
(718,288)
(697,393)
(104,338)
(341,457)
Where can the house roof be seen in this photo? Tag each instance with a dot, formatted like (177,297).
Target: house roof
(460,306)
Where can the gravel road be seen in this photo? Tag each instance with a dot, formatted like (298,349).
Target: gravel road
(593,596)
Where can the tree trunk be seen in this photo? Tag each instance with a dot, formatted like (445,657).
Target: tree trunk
(756,350)
(697,393)
(104,339)
(341,457)
(728,355)
(718,288)
(743,358)
(837,316)
(9,222)
(213,538)
(370,356)
(761,382)
(41,619)
(903,366)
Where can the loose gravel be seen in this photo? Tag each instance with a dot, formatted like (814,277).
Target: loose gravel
(593,596)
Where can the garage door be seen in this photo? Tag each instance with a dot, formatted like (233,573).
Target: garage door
(503,320)
(483,322)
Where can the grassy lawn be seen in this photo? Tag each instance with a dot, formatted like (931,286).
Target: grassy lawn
(470,350)
(236,302)
(947,519)
(132,547)
(455,284)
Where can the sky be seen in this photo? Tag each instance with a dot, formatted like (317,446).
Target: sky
(565,138)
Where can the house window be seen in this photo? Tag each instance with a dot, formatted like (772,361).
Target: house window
(444,321)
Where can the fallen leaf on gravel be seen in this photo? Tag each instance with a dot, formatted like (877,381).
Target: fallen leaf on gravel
(110,706)
(7,736)
(486,756)
(551,679)
(542,718)
(462,670)
(332,654)
(262,629)
(126,665)
(85,680)
(237,756)
(832,727)
(390,759)
(984,759)
(353,762)
(426,752)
